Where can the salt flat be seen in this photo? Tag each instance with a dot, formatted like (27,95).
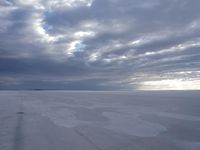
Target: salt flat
(72,120)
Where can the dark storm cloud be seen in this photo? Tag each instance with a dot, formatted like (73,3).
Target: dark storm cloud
(98,45)
(42,66)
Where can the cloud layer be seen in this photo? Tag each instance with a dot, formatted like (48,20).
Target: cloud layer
(99,44)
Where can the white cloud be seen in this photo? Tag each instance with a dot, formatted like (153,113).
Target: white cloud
(83,34)
(94,57)
(68,3)
(75,46)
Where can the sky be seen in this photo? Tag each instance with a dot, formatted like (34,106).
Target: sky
(100,44)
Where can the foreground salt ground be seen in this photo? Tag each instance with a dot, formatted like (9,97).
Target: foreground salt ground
(63,120)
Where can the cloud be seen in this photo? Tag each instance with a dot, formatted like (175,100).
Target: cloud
(99,44)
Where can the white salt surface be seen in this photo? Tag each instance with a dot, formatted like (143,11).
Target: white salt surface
(60,120)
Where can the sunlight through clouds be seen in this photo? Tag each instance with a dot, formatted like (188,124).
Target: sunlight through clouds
(170,84)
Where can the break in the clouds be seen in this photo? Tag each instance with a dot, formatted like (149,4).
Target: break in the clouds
(99,44)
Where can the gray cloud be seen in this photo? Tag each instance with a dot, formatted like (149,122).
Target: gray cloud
(99,44)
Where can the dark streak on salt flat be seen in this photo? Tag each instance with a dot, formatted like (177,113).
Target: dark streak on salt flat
(49,120)
(18,132)
(18,136)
